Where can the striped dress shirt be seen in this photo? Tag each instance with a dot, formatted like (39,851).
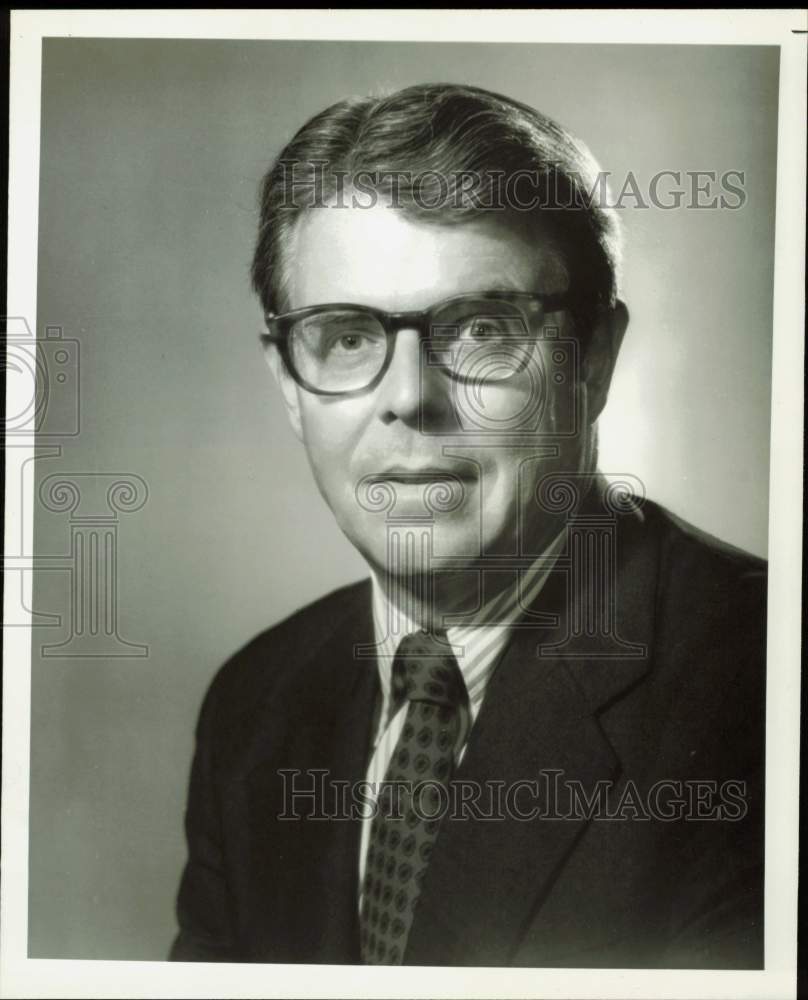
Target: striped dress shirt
(478,648)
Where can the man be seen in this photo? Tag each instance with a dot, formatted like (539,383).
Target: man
(535,736)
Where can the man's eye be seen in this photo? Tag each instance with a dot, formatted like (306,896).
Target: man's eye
(482,327)
(350,343)
(342,343)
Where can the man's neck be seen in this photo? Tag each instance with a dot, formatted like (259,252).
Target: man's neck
(425,595)
(425,600)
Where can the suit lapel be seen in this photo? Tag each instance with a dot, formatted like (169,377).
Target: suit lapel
(488,876)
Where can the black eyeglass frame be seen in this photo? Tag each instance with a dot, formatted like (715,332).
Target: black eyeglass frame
(280,327)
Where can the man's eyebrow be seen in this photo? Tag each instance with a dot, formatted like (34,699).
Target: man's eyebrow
(348,314)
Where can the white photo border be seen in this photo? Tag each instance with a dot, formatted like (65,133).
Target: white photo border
(24,977)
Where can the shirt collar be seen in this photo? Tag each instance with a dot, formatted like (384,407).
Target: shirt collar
(476,643)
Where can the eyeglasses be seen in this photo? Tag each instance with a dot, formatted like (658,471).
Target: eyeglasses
(342,349)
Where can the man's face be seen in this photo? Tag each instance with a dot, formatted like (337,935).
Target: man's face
(408,427)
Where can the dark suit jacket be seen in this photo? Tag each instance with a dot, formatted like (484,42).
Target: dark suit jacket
(578,892)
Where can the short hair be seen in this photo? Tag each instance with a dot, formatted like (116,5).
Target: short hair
(430,137)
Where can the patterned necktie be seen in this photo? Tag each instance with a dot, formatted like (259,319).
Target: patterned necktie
(405,827)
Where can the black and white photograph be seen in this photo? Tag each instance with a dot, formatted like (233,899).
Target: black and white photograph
(403,456)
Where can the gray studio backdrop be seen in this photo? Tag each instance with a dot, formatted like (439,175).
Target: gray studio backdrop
(150,159)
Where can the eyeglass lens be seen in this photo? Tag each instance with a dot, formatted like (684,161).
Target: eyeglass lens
(344,350)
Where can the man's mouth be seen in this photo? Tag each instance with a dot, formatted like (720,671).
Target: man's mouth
(419,476)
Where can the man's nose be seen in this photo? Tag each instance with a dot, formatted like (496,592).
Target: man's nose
(408,391)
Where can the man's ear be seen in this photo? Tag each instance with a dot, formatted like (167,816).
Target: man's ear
(601,356)
(287,385)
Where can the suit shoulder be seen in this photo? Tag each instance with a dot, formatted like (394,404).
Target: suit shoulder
(710,609)
(310,624)
(699,560)
(277,653)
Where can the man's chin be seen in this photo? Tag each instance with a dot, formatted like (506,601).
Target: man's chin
(407,548)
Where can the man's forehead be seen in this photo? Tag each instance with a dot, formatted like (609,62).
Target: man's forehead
(380,256)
